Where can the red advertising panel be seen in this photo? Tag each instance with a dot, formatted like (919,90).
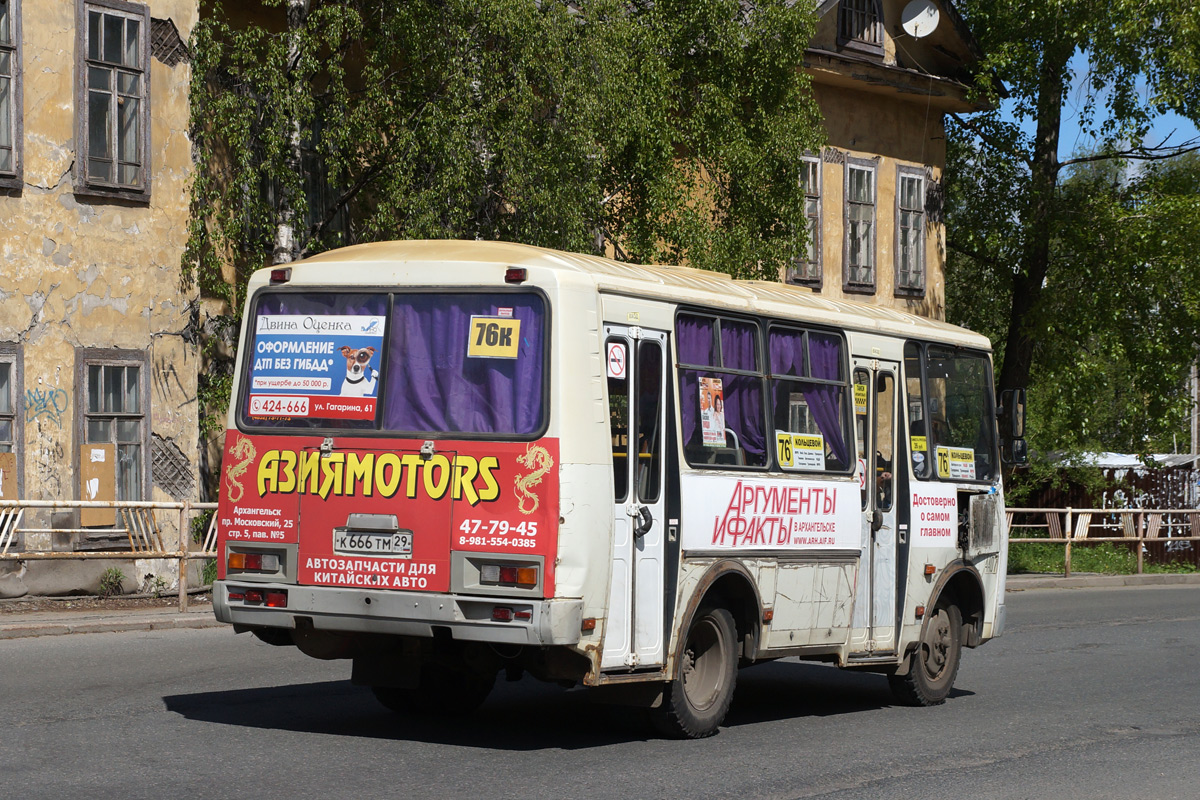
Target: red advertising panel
(379,514)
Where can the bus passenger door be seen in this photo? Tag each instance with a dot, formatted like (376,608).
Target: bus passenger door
(636,369)
(876,434)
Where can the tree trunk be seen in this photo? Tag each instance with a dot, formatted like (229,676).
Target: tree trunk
(1029,281)
(286,247)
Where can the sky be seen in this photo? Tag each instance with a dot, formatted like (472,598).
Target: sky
(1072,139)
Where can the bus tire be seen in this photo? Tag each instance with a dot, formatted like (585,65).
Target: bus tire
(695,703)
(934,664)
(443,691)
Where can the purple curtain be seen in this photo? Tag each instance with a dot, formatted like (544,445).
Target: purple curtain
(695,341)
(742,393)
(825,401)
(825,363)
(433,386)
(738,349)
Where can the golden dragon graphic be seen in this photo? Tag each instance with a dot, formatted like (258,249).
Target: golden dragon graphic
(243,449)
(537,459)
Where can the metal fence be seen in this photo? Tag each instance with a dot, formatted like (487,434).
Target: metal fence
(1155,531)
(140,522)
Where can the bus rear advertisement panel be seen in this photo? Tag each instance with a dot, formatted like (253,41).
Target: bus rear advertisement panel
(380,514)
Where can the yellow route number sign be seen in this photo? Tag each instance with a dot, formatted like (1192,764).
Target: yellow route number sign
(493,337)
(956,463)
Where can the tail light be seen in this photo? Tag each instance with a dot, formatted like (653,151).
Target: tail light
(508,575)
(254,562)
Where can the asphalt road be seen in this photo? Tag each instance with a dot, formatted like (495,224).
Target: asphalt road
(1090,694)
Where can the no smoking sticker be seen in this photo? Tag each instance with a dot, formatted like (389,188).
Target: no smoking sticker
(616,361)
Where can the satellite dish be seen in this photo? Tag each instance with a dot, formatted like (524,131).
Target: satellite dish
(919,18)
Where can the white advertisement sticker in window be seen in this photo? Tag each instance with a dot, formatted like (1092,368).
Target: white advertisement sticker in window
(956,463)
(803,451)
(309,365)
(712,412)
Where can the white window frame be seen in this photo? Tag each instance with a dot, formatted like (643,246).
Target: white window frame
(852,278)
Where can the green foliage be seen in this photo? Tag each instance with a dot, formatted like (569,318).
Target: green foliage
(671,128)
(1108,558)
(1118,321)
(111,581)
(209,573)
(1084,272)
(199,525)
(158,586)
(1026,486)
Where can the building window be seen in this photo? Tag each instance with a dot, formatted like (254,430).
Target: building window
(8,402)
(114,413)
(11,426)
(113,115)
(910,232)
(807,270)
(10,94)
(860,226)
(860,26)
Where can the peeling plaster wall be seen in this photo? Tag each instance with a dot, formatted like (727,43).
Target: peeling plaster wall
(896,132)
(81,272)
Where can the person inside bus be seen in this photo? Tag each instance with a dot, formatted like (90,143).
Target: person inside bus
(883,481)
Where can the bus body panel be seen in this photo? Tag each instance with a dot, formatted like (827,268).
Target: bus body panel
(815,566)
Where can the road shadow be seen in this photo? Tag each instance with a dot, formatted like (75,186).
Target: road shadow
(528,715)
(793,690)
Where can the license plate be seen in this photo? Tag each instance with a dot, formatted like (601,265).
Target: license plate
(368,543)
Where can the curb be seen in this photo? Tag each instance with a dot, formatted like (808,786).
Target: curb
(1018,583)
(61,623)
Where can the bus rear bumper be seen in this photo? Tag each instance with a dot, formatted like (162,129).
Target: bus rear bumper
(468,618)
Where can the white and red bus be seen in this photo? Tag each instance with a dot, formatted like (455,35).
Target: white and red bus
(446,460)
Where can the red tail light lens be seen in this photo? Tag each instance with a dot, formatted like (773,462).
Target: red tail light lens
(508,575)
(276,599)
(502,614)
(254,597)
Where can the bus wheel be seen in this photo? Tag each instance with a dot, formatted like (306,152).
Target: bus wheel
(444,691)
(934,663)
(695,703)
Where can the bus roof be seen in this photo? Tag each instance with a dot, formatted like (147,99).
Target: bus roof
(658,281)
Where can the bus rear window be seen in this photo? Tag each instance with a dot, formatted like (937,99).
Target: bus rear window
(466,363)
(420,363)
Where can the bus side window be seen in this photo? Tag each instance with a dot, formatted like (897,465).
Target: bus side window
(862,384)
(618,423)
(919,434)
(649,420)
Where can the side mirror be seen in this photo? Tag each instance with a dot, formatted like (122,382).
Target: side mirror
(1016,452)
(1012,405)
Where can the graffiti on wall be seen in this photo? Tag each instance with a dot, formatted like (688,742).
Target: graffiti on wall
(49,403)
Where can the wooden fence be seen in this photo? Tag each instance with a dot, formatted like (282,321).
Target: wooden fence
(1136,527)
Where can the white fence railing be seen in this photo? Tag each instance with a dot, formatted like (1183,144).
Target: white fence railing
(1071,526)
(140,522)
